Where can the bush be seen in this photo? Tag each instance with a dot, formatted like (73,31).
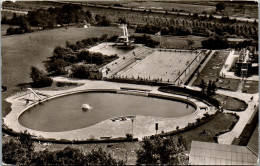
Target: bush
(40,79)
(129,136)
(63,84)
(80,71)
(160,151)
(206,115)
(216,42)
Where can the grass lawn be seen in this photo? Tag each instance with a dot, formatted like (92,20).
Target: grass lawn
(55,86)
(169,6)
(19,53)
(9,14)
(250,87)
(230,103)
(169,41)
(212,70)
(221,122)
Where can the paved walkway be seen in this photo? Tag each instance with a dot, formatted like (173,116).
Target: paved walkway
(245,115)
(227,138)
(143,125)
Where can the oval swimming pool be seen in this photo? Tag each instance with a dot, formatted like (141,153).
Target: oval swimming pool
(65,113)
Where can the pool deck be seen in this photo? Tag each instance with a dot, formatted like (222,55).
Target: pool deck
(142,125)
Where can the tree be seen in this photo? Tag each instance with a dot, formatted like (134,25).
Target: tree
(122,21)
(160,151)
(220,6)
(211,17)
(202,86)
(80,71)
(190,42)
(18,151)
(216,42)
(55,66)
(4,20)
(89,14)
(26,140)
(15,153)
(12,151)
(195,16)
(40,79)
(209,89)
(100,157)
(10,31)
(213,88)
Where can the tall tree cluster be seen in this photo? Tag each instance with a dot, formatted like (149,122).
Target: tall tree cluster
(185,27)
(74,53)
(161,151)
(21,152)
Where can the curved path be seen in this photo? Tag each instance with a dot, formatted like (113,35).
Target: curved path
(227,138)
(143,125)
(245,115)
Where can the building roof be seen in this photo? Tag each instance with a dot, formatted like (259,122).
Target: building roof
(253,142)
(206,153)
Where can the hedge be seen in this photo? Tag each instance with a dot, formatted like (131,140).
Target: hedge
(9,131)
(190,126)
(192,93)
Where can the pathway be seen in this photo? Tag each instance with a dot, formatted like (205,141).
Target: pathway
(143,125)
(245,115)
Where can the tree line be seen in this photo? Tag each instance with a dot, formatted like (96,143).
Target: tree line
(185,27)
(21,151)
(220,42)
(53,17)
(156,150)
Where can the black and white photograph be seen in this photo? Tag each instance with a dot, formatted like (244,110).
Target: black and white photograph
(129,82)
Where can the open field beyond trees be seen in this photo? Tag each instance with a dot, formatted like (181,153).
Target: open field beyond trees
(23,51)
(168,41)
(20,52)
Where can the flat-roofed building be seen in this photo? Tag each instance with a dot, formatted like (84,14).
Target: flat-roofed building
(207,153)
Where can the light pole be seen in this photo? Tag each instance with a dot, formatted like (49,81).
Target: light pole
(132,128)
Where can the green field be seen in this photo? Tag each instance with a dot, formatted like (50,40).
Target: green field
(250,87)
(179,41)
(8,14)
(19,53)
(220,123)
(169,5)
